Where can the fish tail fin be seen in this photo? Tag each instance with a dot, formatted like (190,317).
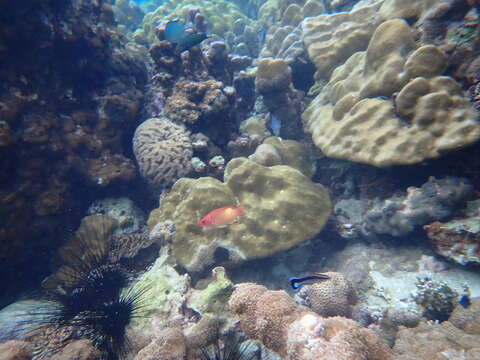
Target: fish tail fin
(241,212)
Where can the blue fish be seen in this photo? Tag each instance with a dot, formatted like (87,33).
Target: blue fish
(175,33)
(297,283)
(465,301)
(275,125)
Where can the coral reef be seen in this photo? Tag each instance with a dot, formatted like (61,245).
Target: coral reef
(397,84)
(273,81)
(284,208)
(333,297)
(459,239)
(128,15)
(70,94)
(435,200)
(163,151)
(331,39)
(294,333)
(436,297)
(275,151)
(129,217)
(450,339)
(212,301)
(16,350)
(213,17)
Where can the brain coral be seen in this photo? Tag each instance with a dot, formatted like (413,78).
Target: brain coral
(332,297)
(284,208)
(390,106)
(163,151)
(297,334)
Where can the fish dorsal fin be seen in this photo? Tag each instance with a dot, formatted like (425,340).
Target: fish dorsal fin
(175,32)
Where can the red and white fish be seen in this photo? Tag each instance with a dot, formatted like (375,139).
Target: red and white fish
(222,216)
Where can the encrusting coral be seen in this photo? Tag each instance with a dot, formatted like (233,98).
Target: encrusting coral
(283,207)
(456,338)
(458,239)
(163,151)
(390,105)
(434,200)
(298,334)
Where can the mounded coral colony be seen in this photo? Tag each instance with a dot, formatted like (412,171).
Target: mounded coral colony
(284,208)
(322,119)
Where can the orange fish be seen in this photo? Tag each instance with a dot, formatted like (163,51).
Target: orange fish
(222,216)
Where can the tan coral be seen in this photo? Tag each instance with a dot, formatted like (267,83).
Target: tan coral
(355,117)
(331,39)
(297,334)
(333,297)
(284,208)
(163,151)
(430,341)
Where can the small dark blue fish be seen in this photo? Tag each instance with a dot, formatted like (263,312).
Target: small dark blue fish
(465,301)
(298,282)
(176,34)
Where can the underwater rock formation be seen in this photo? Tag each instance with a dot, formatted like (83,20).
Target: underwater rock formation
(298,334)
(163,151)
(435,200)
(70,95)
(369,99)
(458,239)
(283,207)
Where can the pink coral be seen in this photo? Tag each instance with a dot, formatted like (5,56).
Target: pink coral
(298,334)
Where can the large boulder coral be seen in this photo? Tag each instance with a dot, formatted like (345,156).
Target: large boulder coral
(283,207)
(390,105)
(298,334)
(163,151)
(331,39)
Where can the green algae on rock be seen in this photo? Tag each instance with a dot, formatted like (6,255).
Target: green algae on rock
(213,300)
(284,208)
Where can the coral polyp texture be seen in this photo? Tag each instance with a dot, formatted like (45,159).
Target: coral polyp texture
(298,334)
(163,151)
(389,105)
(283,208)
(331,39)
(332,297)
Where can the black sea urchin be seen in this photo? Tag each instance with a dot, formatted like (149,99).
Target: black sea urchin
(230,347)
(90,301)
